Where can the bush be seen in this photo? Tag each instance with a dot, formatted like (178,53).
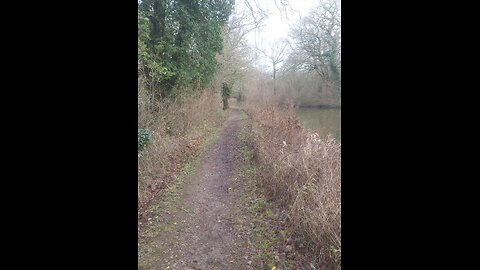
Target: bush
(144,137)
(170,134)
(301,172)
(226,93)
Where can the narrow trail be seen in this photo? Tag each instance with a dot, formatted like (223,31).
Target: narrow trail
(201,233)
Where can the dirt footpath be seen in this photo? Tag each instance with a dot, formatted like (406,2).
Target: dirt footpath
(199,232)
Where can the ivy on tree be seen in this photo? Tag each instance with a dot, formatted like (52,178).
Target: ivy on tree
(177,43)
(226,93)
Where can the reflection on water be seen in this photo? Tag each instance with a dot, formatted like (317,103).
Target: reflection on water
(322,121)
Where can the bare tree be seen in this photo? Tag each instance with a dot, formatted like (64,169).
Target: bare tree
(317,41)
(237,59)
(275,52)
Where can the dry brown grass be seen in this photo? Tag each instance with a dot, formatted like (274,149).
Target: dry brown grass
(301,172)
(179,128)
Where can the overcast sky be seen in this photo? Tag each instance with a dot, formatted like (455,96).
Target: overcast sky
(277,25)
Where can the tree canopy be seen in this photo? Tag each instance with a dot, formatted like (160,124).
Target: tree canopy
(317,42)
(178,41)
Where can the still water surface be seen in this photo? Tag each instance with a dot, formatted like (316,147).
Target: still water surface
(322,121)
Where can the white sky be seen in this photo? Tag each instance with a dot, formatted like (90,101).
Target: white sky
(277,25)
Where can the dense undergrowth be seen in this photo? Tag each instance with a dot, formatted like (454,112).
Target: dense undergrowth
(177,131)
(300,172)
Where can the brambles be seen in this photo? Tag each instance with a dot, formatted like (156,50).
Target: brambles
(301,173)
(170,136)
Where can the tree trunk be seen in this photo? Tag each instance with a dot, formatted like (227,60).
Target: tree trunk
(158,20)
(274,81)
(225,103)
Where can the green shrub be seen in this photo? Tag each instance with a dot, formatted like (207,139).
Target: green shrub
(144,137)
(226,93)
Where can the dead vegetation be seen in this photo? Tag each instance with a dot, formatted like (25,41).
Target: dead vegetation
(178,130)
(300,171)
